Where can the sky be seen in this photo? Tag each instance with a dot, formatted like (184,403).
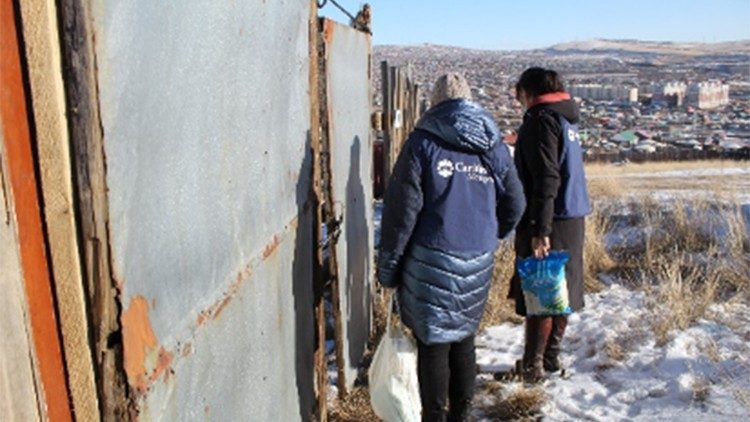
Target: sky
(526,24)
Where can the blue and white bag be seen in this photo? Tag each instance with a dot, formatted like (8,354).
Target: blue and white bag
(545,289)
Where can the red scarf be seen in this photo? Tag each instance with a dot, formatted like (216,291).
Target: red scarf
(552,97)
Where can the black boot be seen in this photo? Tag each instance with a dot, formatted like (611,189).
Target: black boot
(459,412)
(435,415)
(554,344)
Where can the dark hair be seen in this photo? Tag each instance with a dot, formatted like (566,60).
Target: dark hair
(538,81)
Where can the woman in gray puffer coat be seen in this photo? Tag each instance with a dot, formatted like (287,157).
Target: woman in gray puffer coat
(453,193)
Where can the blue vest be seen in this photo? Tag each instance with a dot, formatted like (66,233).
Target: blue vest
(573,198)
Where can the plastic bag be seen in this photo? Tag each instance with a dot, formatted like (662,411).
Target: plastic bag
(394,386)
(545,289)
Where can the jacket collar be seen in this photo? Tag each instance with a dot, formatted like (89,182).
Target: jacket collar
(552,97)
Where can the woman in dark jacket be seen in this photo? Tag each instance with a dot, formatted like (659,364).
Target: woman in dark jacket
(549,161)
(453,192)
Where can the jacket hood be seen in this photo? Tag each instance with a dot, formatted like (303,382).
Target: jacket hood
(563,105)
(462,124)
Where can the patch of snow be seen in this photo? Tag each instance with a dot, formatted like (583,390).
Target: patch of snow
(377,217)
(739,196)
(727,171)
(618,372)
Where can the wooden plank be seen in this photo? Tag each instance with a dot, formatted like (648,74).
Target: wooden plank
(16,137)
(48,99)
(330,218)
(102,287)
(393,150)
(385,81)
(321,368)
(399,132)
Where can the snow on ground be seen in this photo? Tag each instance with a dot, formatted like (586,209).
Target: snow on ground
(706,172)
(616,371)
(377,210)
(728,184)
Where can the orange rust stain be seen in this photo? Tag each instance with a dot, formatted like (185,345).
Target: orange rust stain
(328,28)
(217,308)
(271,247)
(138,341)
(163,364)
(242,276)
(221,305)
(23,189)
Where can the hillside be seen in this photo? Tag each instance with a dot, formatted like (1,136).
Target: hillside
(592,47)
(652,47)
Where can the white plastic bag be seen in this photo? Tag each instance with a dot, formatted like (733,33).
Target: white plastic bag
(394,387)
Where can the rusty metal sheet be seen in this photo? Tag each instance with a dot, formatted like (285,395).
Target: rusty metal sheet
(205,116)
(348,81)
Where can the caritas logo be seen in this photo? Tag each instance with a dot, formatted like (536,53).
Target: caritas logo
(445,168)
(473,172)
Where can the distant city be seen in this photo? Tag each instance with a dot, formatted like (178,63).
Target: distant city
(638,100)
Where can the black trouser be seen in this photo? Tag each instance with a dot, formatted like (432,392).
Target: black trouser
(446,371)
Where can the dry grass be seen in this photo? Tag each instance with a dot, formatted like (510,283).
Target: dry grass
(596,259)
(608,181)
(522,404)
(701,390)
(356,408)
(499,308)
(681,295)
(692,251)
(605,188)
(692,254)
(608,169)
(614,350)
(711,350)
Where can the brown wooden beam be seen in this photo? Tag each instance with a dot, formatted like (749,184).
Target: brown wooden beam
(87,147)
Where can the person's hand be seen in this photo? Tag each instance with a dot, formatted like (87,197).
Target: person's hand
(540,246)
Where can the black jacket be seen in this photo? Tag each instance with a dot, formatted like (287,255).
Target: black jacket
(537,156)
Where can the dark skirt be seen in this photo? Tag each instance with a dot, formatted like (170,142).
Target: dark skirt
(567,235)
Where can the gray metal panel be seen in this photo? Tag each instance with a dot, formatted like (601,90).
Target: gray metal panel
(205,114)
(348,67)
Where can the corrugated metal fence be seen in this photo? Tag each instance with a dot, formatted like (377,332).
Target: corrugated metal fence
(348,73)
(205,117)
(193,131)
